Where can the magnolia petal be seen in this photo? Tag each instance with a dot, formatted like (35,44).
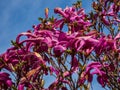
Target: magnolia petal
(21,87)
(101,81)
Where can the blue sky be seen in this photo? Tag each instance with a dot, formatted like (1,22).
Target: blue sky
(18,16)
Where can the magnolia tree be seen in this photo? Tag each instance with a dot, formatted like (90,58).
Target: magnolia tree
(72,49)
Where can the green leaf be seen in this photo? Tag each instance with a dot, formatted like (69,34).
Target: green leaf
(13,43)
(51,19)
(40,19)
(14,88)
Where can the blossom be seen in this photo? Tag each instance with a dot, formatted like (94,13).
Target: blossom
(21,87)
(50,50)
(5,80)
(75,18)
(96,68)
(106,43)
(84,43)
(58,50)
(74,64)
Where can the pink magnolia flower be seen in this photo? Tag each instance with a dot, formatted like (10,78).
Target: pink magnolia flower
(84,43)
(59,10)
(116,43)
(109,14)
(32,51)
(74,64)
(96,68)
(58,50)
(5,80)
(105,21)
(11,57)
(75,18)
(105,44)
(21,87)
(24,85)
(112,14)
(28,34)
(64,88)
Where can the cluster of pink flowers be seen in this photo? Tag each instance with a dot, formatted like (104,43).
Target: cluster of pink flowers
(48,50)
(108,13)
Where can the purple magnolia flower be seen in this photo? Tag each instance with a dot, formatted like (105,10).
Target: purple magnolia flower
(74,64)
(30,57)
(102,80)
(58,50)
(21,87)
(64,88)
(105,44)
(34,60)
(116,43)
(58,24)
(105,21)
(43,45)
(24,85)
(96,68)
(84,43)
(111,14)
(75,18)
(28,34)
(59,10)
(5,80)
(11,58)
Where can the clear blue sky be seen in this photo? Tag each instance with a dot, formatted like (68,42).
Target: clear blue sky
(18,16)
